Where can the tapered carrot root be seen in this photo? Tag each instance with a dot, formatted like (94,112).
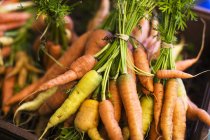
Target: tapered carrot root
(141,62)
(56,100)
(100,16)
(184,64)
(115,99)
(78,68)
(7,91)
(106,112)
(158,94)
(168,108)
(131,103)
(96,42)
(153,135)
(172,74)
(194,113)
(179,120)
(75,51)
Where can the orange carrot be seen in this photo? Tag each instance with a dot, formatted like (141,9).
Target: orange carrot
(168,108)
(106,112)
(141,62)
(78,69)
(100,16)
(179,120)
(7,91)
(96,41)
(12,25)
(158,93)
(131,60)
(173,74)
(131,103)
(194,113)
(153,135)
(14,17)
(6,51)
(75,51)
(115,99)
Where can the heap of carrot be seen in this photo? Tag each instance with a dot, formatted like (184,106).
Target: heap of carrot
(118,81)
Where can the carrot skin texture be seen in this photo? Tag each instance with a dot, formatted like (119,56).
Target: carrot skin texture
(172,74)
(158,102)
(179,120)
(169,102)
(131,103)
(75,51)
(81,91)
(106,112)
(77,69)
(141,62)
(115,99)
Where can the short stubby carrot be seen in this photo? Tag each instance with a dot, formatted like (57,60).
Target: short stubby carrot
(179,120)
(106,112)
(141,62)
(82,90)
(164,74)
(169,103)
(131,103)
(77,69)
(115,99)
(158,94)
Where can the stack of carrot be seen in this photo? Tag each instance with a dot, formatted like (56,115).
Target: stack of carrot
(121,83)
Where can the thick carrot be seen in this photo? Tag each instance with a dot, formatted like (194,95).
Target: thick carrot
(115,99)
(147,112)
(128,93)
(87,118)
(56,100)
(96,41)
(12,25)
(169,102)
(82,90)
(194,113)
(7,91)
(5,52)
(179,120)
(78,68)
(75,51)
(106,112)
(22,77)
(14,17)
(37,102)
(141,62)
(172,74)
(100,16)
(158,94)
(184,64)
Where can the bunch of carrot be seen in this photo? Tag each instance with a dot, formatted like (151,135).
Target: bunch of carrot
(103,86)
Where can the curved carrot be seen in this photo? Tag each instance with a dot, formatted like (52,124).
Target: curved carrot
(168,108)
(131,103)
(75,51)
(78,68)
(141,62)
(194,113)
(106,112)
(115,99)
